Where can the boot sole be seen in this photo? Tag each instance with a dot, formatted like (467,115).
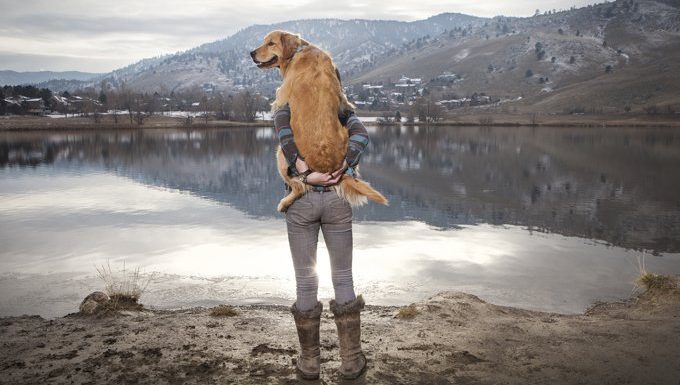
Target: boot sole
(358,374)
(306,376)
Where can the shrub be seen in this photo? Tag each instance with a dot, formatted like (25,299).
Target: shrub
(407,312)
(223,311)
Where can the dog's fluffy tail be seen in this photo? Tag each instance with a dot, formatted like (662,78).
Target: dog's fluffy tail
(357,192)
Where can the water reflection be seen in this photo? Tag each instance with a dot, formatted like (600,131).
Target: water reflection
(617,185)
(538,218)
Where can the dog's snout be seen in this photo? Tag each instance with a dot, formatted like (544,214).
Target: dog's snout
(252,54)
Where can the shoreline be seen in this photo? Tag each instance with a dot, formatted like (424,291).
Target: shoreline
(34,123)
(452,337)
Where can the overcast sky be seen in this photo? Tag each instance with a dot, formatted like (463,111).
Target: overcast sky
(99,36)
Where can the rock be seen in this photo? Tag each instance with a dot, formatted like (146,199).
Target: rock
(93,302)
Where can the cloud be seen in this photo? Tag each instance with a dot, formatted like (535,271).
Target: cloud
(108,33)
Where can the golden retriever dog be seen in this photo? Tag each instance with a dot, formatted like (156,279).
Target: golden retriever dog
(311,87)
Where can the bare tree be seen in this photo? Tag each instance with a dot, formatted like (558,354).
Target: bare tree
(246,106)
(112,100)
(205,108)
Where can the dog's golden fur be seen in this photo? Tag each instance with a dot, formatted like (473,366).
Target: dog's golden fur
(311,87)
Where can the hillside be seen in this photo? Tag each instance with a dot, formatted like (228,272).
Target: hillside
(608,57)
(225,64)
(13,78)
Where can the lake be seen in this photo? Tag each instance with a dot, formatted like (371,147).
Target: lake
(550,219)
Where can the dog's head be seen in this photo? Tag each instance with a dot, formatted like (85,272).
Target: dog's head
(278,48)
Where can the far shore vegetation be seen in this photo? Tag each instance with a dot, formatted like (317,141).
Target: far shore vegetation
(30,108)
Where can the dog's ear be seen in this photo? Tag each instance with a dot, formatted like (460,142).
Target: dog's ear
(289,43)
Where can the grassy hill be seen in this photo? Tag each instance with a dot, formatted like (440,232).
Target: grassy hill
(609,57)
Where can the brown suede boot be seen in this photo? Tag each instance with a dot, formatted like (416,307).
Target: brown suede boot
(348,321)
(307,324)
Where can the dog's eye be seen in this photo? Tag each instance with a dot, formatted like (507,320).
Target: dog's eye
(270,43)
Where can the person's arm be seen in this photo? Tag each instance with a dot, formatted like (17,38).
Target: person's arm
(285,134)
(358,139)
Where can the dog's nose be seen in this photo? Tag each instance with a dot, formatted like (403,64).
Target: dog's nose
(252,54)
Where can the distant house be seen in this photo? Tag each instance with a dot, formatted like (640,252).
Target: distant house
(405,81)
(446,75)
(35,106)
(12,106)
(208,88)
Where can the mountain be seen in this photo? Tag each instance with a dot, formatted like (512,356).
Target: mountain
(613,56)
(607,57)
(226,64)
(13,78)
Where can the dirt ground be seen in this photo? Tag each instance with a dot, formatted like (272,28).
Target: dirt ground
(453,338)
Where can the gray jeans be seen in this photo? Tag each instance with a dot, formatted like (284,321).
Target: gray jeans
(325,210)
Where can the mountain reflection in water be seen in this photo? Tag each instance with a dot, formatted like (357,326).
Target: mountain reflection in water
(619,185)
(199,208)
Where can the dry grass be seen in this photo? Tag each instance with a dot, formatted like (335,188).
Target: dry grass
(223,311)
(124,287)
(652,281)
(407,312)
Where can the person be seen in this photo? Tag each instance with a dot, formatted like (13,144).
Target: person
(322,208)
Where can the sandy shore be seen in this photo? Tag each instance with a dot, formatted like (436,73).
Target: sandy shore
(454,338)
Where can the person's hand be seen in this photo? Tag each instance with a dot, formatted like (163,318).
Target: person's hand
(338,173)
(321,178)
(301,166)
(328,178)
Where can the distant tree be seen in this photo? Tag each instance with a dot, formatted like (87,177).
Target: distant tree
(604,43)
(608,68)
(490,68)
(246,105)
(572,60)
(397,116)
(435,111)
(427,110)
(529,73)
(222,106)
(139,106)
(578,32)
(410,117)
(112,105)
(553,59)
(540,52)
(560,31)
(205,108)
(418,109)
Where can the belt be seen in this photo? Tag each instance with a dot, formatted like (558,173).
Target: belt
(313,188)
